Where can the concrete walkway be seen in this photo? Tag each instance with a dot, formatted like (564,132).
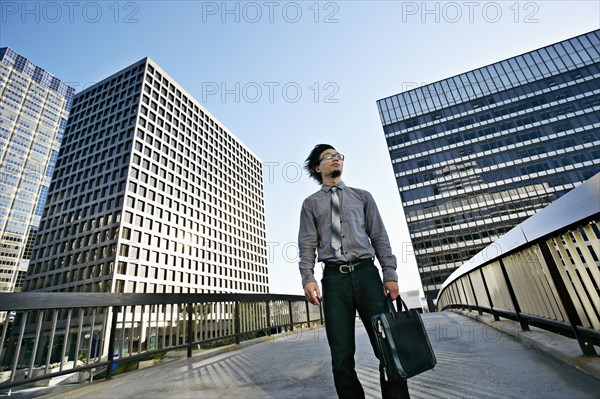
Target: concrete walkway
(475,360)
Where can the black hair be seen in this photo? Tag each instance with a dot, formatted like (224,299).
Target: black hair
(314,159)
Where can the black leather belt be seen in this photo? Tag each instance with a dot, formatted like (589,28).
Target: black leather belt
(348,267)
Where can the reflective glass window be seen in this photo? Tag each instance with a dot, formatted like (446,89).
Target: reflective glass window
(547,60)
(594,38)
(478,86)
(572,54)
(556,58)
(591,50)
(443,101)
(458,89)
(524,68)
(415,101)
(428,93)
(495,78)
(400,104)
(501,75)
(517,71)
(581,43)
(539,63)
(454,88)
(395,111)
(468,88)
(389,107)
(532,63)
(408,105)
(443,86)
(489,81)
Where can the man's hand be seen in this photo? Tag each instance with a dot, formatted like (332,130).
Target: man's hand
(392,288)
(312,293)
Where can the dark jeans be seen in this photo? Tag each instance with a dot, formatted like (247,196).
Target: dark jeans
(343,295)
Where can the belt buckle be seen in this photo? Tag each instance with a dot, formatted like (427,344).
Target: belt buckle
(349,268)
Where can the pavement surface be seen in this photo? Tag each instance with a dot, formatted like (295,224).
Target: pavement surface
(476,358)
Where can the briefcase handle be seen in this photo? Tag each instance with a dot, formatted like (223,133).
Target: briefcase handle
(399,303)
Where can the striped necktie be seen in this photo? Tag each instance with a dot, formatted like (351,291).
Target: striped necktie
(336,223)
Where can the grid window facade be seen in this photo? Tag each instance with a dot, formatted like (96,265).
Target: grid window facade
(151,195)
(476,154)
(34,107)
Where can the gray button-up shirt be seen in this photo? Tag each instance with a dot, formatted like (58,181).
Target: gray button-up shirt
(363,232)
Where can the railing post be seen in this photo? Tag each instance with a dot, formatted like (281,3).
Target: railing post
(5,331)
(111,343)
(268,303)
(291,316)
(190,310)
(66,341)
(307,315)
(19,343)
(36,342)
(587,347)
(236,322)
(321,313)
(513,297)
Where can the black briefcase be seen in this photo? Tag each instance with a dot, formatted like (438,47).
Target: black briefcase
(402,342)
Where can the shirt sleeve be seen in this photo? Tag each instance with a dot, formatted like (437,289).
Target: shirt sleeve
(379,239)
(308,239)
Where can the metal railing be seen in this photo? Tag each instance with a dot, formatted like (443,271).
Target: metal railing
(49,335)
(544,272)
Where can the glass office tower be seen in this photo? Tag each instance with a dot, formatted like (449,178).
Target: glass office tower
(34,107)
(476,154)
(151,194)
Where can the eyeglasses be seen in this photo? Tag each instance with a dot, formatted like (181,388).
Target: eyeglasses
(329,157)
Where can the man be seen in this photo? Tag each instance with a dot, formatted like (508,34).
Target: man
(343,227)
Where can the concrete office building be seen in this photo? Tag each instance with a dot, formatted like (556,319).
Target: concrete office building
(34,107)
(476,154)
(151,194)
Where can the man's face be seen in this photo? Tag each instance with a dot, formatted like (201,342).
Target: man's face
(330,167)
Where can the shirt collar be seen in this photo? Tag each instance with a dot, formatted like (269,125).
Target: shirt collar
(326,187)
